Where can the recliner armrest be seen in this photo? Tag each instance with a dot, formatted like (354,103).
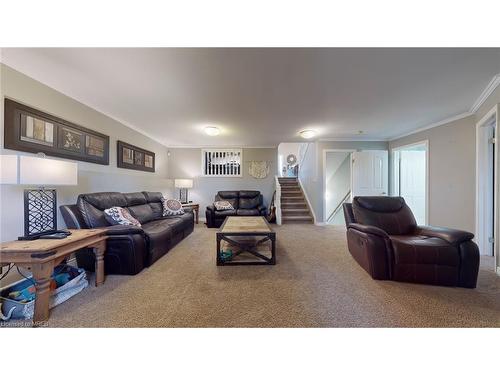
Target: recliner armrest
(368,229)
(123,229)
(262,208)
(452,236)
(211,208)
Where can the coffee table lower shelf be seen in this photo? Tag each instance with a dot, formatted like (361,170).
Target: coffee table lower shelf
(244,244)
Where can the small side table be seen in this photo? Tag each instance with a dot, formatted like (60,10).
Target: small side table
(41,256)
(196,209)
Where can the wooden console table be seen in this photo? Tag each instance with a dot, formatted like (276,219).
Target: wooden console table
(41,256)
(196,209)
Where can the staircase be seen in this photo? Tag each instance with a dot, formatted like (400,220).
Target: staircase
(294,207)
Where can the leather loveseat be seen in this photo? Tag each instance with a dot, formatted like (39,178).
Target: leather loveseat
(244,202)
(384,238)
(129,248)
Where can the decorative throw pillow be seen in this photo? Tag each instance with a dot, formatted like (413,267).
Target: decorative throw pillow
(120,216)
(172,207)
(223,205)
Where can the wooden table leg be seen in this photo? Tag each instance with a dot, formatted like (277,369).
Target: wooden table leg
(99,250)
(196,217)
(41,274)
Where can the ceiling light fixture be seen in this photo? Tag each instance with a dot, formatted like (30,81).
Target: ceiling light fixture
(212,131)
(307,133)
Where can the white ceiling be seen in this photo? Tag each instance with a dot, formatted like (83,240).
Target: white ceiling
(261,97)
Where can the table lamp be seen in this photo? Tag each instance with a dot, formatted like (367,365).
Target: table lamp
(183,184)
(40,204)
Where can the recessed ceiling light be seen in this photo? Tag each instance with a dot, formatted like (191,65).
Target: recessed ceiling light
(307,133)
(212,131)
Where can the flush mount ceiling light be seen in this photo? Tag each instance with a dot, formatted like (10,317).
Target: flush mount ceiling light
(212,131)
(307,133)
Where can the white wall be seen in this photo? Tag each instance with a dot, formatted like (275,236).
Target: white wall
(285,149)
(186,163)
(338,182)
(311,173)
(91,177)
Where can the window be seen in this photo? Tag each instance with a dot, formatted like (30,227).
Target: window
(222,162)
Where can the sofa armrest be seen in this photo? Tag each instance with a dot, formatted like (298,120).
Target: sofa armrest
(262,209)
(370,229)
(211,208)
(188,209)
(115,230)
(452,236)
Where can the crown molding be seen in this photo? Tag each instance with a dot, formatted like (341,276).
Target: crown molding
(352,139)
(433,125)
(216,146)
(486,93)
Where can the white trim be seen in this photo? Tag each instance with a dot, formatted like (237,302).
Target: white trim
(216,146)
(353,139)
(498,270)
(323,198)
(493,112)
(427,182)
(307,200)
(433,125)
(495,81)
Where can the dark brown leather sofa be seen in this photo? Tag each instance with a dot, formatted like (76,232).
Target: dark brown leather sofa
(244,202)
(383,237)
(129,248)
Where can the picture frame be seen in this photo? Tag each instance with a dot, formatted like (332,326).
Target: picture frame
(31,130)
(133,157)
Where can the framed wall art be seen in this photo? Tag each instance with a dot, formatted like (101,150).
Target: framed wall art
(132,157)
(30,130)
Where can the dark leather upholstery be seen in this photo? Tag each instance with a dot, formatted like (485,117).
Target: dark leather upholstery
(384,239)
(245,203)
(129,248)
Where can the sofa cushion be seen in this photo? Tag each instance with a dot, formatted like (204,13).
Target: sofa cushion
(225,213)
(120,216)
(249,199)
(247,212)
(142,212)
(390,214)
(155,200)
(158,234)
(134,199)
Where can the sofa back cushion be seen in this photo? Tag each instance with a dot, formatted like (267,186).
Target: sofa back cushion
(249,199)
(231,196)
(145,206)
(155,200)
(92,207)
(390,214)
(139,207)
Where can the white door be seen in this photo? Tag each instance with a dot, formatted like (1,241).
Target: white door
(370,173)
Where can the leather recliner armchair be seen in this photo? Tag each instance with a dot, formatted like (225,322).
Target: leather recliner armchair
(244,202)
(128,248)
(383,237)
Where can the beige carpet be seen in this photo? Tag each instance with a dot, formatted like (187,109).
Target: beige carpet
(316,283)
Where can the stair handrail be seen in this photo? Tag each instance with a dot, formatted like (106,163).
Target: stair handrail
(302,157)
(339,206)
(277,199)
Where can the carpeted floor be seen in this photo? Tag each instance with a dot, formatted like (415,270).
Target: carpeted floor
(316,283)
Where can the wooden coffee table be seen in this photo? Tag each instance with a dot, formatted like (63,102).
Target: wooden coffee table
(246,234)
(41,256)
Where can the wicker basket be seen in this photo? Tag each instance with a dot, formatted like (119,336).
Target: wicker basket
(17,310)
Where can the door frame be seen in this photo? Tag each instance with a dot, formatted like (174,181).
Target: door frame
(351,150)
(480,172)
(424,142)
